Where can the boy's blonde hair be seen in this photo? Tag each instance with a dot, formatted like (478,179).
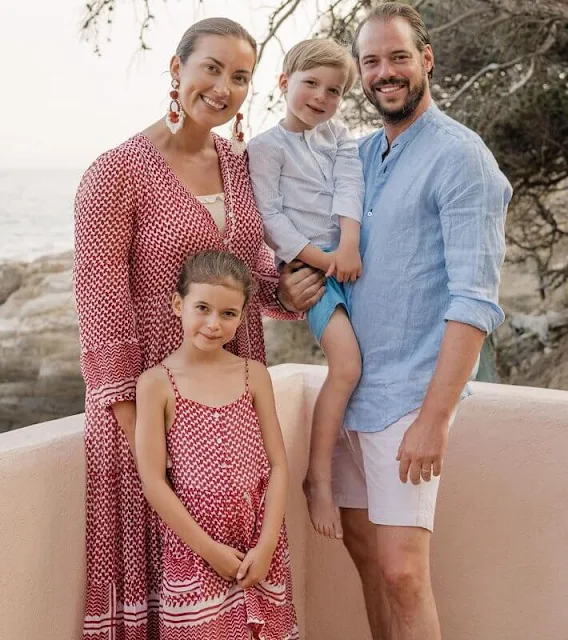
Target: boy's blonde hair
(320,52)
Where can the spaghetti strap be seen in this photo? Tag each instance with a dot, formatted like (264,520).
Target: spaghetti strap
(172,380)
(247,390)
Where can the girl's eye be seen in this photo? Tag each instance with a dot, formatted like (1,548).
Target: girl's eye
(311,83)
(201,307)
(211,67)
(229,314)
(334,91)
(241,79)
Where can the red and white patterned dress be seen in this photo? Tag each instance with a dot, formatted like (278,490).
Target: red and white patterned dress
(220,472)
(135,224)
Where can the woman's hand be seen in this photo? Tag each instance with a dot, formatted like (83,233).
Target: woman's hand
(348,265)
(254,568)
(224,560)
(300,286)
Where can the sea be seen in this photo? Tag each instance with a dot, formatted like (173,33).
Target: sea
(36,212)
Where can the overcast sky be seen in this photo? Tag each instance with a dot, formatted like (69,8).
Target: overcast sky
(62,105)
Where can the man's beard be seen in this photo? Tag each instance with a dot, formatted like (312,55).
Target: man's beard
(412,101)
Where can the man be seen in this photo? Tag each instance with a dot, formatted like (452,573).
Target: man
(432,244)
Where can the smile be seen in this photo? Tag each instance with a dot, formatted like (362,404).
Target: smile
(218,106)
(210,337)
(390,88)
(315,110)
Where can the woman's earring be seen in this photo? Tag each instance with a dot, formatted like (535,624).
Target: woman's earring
(238,144)
(175,115)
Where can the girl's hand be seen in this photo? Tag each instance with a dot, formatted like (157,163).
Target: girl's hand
(254,567)
(224,560)
(348,265)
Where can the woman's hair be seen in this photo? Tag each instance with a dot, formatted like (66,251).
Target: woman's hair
(320,52)
(211,27)
(215,267)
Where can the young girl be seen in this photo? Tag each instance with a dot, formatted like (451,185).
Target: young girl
(308,184)
(226,571)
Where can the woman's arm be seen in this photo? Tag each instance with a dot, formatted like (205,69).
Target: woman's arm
(105,207)
(257,561)
(152,393)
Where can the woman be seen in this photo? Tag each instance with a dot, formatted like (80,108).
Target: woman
(141,208)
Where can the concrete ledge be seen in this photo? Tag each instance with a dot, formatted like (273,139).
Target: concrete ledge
(500,558)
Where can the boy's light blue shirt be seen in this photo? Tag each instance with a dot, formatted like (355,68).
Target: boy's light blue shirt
(432,245)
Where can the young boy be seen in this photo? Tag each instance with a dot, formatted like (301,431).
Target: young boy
(308,184)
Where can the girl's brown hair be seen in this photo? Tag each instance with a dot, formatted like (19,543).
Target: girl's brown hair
(215,267)
(211,27)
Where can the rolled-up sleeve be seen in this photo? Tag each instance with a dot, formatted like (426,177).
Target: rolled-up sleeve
(348,182)
(265,165)
(473,196)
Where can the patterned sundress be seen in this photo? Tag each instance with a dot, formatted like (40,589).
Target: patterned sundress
(220,472)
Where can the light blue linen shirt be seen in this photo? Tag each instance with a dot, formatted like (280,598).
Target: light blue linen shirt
(432,245)
(302,182)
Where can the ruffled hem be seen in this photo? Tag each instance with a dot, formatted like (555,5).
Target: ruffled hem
(262,612)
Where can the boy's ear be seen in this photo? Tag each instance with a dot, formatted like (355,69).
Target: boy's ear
(176,304)
(283,83)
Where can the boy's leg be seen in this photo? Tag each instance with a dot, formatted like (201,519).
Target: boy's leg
(344,370)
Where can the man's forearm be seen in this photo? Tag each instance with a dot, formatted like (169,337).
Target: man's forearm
(459,350)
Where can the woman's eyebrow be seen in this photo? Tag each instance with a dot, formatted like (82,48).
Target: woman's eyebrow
(220,64)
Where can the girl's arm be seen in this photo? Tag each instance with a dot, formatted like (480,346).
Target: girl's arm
(257,561)
(152,392)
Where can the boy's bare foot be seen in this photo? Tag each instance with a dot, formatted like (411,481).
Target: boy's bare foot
(323,512)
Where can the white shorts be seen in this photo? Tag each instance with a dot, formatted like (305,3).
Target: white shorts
(365,476)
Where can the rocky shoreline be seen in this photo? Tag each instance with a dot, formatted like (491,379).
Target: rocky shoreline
(40,378)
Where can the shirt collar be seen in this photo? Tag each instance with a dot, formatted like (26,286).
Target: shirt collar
(307,133)
(409,134)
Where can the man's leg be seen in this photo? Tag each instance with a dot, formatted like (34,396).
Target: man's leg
(403,517)
(403,561)
(360,539)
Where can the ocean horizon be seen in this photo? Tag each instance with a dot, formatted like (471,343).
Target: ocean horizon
(36,212)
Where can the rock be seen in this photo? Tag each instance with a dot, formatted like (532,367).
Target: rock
(10,279)
(40,377)
(289,341)
(542,326)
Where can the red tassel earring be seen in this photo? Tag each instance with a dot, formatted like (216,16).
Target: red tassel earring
(175,115)
(238,144)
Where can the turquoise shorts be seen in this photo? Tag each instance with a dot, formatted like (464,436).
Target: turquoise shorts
(319,315)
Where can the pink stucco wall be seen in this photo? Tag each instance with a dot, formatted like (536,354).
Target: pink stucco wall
(500,550)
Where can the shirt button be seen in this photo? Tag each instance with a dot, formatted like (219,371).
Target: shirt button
(223,465)
(219,440)
(216,415)
(225,241)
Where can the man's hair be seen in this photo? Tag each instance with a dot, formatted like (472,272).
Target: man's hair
(320,52)
(389,10)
